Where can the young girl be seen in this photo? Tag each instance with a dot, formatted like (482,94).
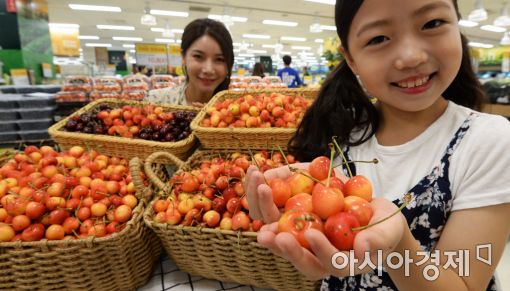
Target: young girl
(430,143)
(207,59)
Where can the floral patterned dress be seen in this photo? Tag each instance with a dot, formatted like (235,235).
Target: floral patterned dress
(426,215)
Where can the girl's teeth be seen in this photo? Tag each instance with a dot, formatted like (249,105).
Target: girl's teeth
(415,83)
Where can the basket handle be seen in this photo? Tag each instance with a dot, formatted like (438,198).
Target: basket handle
(135,169)
(150,173)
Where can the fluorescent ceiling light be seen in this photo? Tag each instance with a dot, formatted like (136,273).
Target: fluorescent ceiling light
(480,45)
(319,40)
(246,55)
(330,2)
(161,29)
(169,13)
(297,47)
(220,17)
(467,23)
(258,36)
(179,41)
(493,28)
(132,51)
(291,38)
(99,44)
(115,27)
(328,27)
(124,38)
(285,53)
(164,40)
(237,50)
(64,25)
(280,23)
(129,45)
(269,46)
(236,44)
(88,37)
(95,8)
(256,51)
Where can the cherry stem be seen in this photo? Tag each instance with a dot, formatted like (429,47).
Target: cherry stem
(343,156)
(331,156)
(283,155)
(301,172)
(374,161)
(407,199)
(257,164)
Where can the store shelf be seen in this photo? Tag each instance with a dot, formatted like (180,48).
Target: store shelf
(499,109)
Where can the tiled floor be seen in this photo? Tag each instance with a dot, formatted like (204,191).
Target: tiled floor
(166,276)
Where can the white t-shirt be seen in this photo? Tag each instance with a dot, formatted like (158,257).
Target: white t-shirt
(174,95)
(479,170)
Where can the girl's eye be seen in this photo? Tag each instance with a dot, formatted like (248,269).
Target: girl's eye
(197,57)
(377,40)
(220,60)
(433,24)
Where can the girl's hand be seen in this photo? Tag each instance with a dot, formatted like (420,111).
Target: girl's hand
(317,265)
(259,194)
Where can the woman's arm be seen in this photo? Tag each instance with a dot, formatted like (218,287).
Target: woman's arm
(485,227)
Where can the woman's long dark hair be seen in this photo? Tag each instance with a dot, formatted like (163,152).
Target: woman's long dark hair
(342,105)
(215,29)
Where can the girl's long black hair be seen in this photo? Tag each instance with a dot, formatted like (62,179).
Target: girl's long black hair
(342,105)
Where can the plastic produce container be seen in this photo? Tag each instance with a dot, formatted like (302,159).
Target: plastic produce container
(8,114)
(35,124)
(33,135)
(6,126)
(8,136)
(36,113)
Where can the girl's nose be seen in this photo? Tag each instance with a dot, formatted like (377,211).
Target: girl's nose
(411,56)
(207,67)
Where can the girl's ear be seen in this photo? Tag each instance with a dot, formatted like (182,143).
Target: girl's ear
(349,60)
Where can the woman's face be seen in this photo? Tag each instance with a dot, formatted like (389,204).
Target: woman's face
(406,57)
(205,65)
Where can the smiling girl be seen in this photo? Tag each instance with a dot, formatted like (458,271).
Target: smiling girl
(207,59)
(430,140)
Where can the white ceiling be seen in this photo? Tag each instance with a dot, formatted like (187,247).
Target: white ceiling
(299,11)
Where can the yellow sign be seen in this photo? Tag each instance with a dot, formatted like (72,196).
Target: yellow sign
(174,50)
(65,42)
(151,54)
(144,48)
(20,77)
(46,69)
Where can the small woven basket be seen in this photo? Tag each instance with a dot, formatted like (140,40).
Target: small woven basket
(245,138)
(120,146)
(121,261)
(224,255)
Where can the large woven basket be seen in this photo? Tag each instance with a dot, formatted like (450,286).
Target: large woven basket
(228,256)
(120,146)
(122,261)
(245,138)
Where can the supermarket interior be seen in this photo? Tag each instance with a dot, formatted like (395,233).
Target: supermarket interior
(99,174)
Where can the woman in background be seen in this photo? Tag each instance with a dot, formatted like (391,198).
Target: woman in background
(258,70)
(207,60)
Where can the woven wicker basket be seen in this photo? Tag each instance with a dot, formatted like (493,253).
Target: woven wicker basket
(120,146)
(245,138)
(122,261)
(223,255)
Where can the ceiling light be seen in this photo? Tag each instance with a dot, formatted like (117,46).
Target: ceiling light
(63,25)
(503,19)
(88,37)
(124,38)
(330,2)
(480,45)
(279,22)
(164,40)
(505,40)
(128,45)
(292,38)
(467,23)
(132,51)
(115,27)
(246,55)
(493,28)
(285,53)
(169,13)
(256,51)
(258,36)
(319,40)
(297,47)
(95,8)
(479,13)
(161,29)
(234,18)
(147,18)
(328,27)
(99,44)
